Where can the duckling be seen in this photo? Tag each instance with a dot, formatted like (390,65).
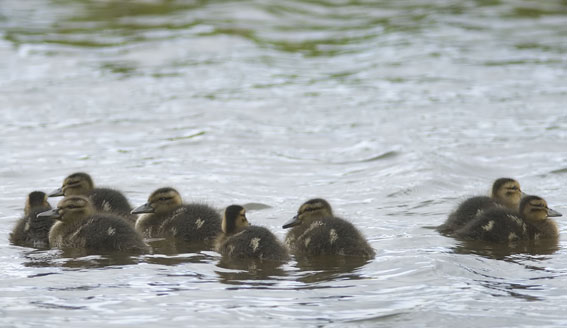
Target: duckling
(316,231)
(79,226)
(31,231)
(103,199)
(240,240)
(506,193)
(502,225)
(167,217)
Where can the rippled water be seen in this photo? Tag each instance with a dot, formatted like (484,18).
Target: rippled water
(392,110)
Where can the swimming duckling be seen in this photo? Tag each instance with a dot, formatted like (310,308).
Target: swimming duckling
(506,193)
(241,240)
(502,225)
(317,232)
(31,231)
(103,199)
(79,226)
(168,217)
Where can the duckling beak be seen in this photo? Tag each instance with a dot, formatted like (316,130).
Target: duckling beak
(56,193)
(146,208)
(553,213)
(52,214)
(292,223)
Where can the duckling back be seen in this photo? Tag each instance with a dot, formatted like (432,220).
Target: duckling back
(497,225)
(191,223)
(99,233)
(328,236)
(112,201)
(466,212)
(252,242)
(31,231)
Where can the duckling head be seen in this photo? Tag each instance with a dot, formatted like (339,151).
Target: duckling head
(78,183)
(312,209)
(534,208)
(69,209)
(234,219)
(160,201)
(507,191)
(35,199)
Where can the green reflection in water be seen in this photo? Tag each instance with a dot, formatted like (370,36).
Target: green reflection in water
(311,27)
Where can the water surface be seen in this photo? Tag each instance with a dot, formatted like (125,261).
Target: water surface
(394,111)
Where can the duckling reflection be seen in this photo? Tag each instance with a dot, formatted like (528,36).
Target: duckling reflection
(241,271)
(317,232)
(500,225)
(165,216)
(31,231)
(507,251)
(506,193)
(330,267)
(80,227)
(239,240)
(103,199)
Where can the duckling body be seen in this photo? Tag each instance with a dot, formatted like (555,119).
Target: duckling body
(165,216)
(79,226)
(506,193)
(502,225)
(239,240)
(497,225)
(317,232)
(104,199)
(31,231)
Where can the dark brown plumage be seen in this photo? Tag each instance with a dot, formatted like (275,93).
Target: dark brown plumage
(317,232)
(79,226)
(506,193)
(165,216)
(239,240)
(31,231)
(103,199)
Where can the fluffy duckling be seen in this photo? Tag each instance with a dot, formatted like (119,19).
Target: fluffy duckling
(316,231)
(31,231)
(167,217)
(505,193)
(502,225)
(79,226)
(240,240)
(103,199)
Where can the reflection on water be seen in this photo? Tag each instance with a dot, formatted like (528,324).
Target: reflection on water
(251,272)
(504,251)
(328,268)
(76,259)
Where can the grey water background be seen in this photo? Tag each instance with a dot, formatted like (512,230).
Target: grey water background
(394,111)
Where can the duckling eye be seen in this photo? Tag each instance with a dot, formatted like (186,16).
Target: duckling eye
(163,199)
(72,206)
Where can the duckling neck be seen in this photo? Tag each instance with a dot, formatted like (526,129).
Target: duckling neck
(61,229)
(546,228)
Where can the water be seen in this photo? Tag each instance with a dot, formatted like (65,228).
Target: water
(394,111)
